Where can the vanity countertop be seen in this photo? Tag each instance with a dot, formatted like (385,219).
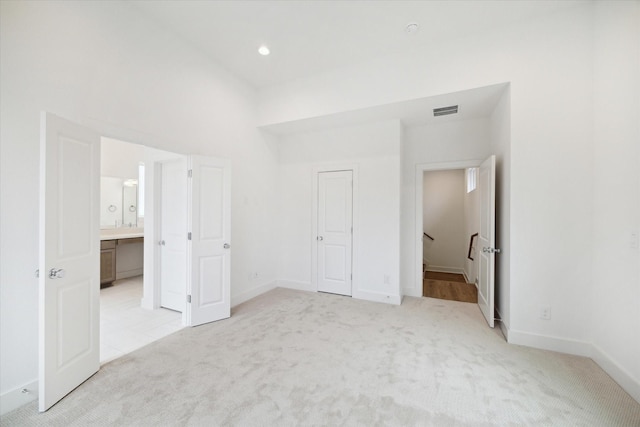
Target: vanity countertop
(121,233)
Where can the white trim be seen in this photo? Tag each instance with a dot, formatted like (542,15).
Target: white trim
(444,269)
(252,293)
(546,342)
(13,399)
(421,168)
(377,297)
(579,348)
(334,167)
(297,285)
(504,329)
(620,375)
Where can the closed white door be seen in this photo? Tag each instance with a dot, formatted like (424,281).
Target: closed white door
(69,258)
(487,238)
(209,253)
(334,239)
(173,235)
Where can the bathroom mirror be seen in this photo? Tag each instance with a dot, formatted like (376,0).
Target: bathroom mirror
(118,202)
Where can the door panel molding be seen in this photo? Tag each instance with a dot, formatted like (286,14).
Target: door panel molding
(333,167)
(69,258)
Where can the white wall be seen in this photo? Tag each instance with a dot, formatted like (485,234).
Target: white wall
(432,145)
(615,319)
(549,65)
(375,150)
(120,159)
(101,65)
(443,218)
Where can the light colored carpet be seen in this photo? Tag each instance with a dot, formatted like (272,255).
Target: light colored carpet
(292,358)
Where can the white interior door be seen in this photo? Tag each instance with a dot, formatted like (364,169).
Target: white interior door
(487,238)
(173,235)
(334,240)
(69,258)
(209,254)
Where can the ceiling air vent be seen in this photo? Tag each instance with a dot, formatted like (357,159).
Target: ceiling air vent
(443,111)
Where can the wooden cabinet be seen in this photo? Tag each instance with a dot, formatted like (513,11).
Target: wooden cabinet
(107,261)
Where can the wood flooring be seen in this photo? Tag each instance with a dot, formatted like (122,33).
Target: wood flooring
(448,286)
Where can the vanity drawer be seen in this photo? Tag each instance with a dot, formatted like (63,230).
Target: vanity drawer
(108,244)
(131,240)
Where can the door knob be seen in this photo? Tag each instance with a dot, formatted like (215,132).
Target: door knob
(320,238)
(227,246)
(56,273)
(485,250)
(161,242)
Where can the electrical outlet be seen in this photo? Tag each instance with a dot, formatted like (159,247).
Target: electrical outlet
(545,312)
(634,239)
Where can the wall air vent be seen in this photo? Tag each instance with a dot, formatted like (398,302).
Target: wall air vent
(443,111)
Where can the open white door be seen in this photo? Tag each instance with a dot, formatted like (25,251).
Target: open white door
(173,241)
(209,257)
(487,238)
(69,258)
(335,232)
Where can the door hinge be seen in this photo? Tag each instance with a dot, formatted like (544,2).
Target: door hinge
(351,276)
(189,236)
(190,173)
(189,299)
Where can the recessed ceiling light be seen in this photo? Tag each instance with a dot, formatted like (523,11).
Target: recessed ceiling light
(411,28)
(263,50)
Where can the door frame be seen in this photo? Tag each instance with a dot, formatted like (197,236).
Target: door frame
(420,170)
(353,167)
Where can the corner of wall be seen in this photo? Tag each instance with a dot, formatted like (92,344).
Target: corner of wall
(252,293)
(18,397)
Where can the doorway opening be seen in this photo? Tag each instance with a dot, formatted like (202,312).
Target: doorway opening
(450,215)
(125,325)
(486,234)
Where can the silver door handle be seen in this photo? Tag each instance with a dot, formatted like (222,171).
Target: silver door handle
(226,246)
(56,273)
(161,242)
(491,250)
(320,238)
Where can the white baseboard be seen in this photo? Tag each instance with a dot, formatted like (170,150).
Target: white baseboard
(620,375)
(357,294)
(466,278)
(129,273)
(14,399)
(252,293)
(444,269)
(545,342)
(579,348)
(412,292)
(377,297)
(294,284)
(504,328)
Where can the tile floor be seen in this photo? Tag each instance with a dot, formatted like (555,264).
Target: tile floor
(124,326)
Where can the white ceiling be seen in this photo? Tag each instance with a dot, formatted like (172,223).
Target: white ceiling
(307,37)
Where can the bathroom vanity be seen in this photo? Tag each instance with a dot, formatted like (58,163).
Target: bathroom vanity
(121,238)
(121,254)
